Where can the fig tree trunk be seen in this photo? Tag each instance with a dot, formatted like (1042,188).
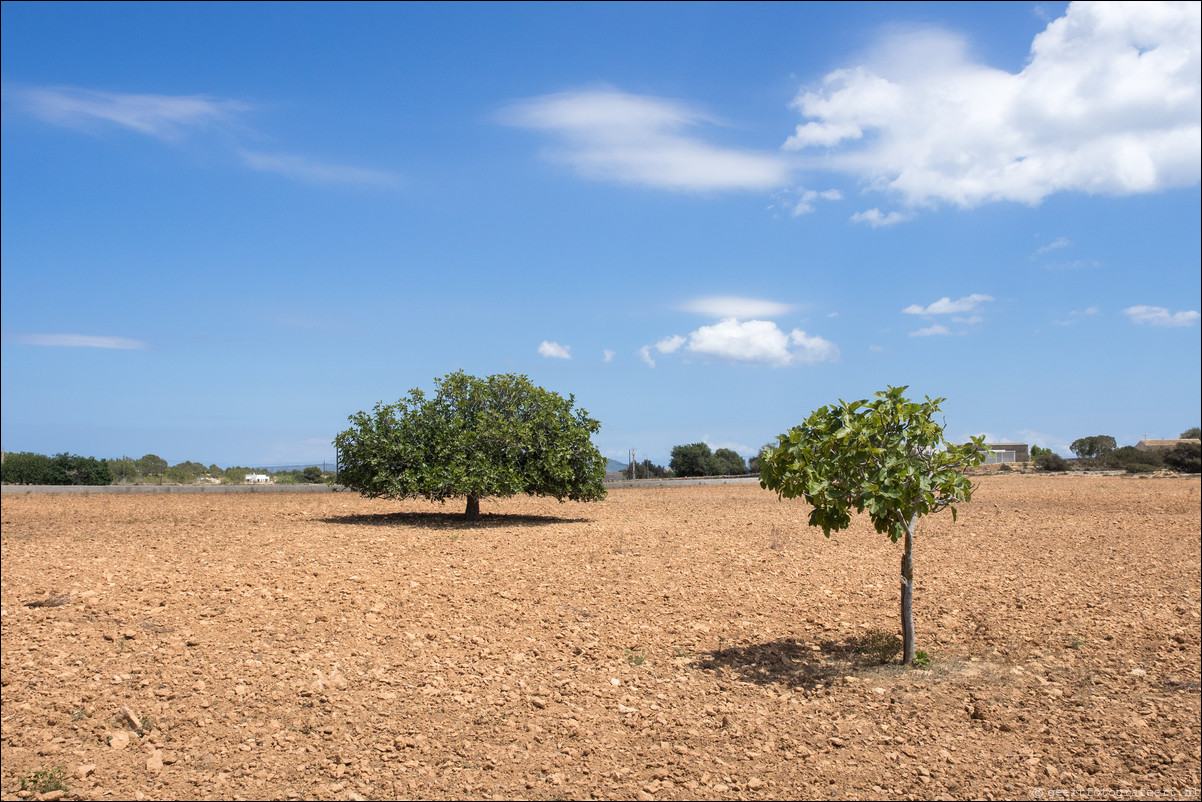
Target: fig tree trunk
(473,507)
(907,594)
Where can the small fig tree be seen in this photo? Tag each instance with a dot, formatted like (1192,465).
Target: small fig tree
(886,457)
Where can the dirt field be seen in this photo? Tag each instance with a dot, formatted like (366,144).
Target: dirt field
(668,643)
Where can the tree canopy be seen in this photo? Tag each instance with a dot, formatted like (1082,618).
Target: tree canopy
(887,457)
(1093,447)
(475,438)
(729,462)
(27,468)
(696,459)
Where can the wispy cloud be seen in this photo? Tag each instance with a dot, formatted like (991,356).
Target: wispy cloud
(1108,102)
(171,118)
(1059,242)
(1159,316)
(1077,315)
(946,306)
(301,168)
(555,350)
(1075,264)
(936,330)
(640,139)
(723,306)
(84,341)
(608,355)
(752,341)
(161,116)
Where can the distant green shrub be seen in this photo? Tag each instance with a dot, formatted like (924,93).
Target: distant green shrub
(1184,458)
(1132,460)
(1048,461)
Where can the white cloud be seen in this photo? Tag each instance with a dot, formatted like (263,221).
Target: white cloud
(723,306)
(169,118)
(1109,102)
(160,116)
(85,341)
(300,168)
(874,218)
(742,449)
(1159,316)
(611,135)
(946,306)
(931,331)
(1077,315)
(1059,242)
(608,355)
(750,341)
(555,350)
(805,203)
(669,345)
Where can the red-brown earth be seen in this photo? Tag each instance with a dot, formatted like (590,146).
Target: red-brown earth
(667,643)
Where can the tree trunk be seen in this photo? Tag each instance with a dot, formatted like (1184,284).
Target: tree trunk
(473,507)
(907,595)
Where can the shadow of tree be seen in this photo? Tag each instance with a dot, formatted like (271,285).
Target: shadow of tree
(788,662)
(449,520)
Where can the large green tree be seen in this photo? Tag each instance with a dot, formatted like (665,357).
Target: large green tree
(1095,447)
(151,465)
(473,438)
(694,459)
(887,457)
(729,463)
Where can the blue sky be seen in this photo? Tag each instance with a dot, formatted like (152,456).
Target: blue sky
(225,228)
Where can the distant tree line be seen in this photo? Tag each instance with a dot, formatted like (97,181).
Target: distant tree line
(646,470)
(27,468)
(1102,452)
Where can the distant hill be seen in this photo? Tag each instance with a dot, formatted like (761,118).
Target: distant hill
(615,466)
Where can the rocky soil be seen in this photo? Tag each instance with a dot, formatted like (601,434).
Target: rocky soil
(667,643)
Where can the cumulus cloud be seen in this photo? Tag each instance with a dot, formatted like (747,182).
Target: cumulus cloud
(555,350)
(1159,316)
(722,306)
(754,341)
(946,306)
(1109,102)
(160,116)
(615,136)
(84,341)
